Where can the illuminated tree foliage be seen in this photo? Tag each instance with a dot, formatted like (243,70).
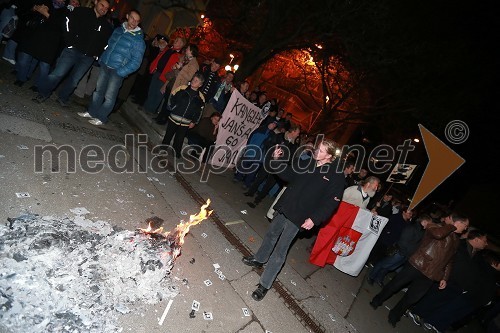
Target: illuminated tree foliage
(380,62)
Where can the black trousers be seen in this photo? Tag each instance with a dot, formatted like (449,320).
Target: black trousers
(165,109)
(262,176)
(179,132)
(418,285)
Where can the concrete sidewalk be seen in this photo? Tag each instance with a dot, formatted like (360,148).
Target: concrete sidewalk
(306,298)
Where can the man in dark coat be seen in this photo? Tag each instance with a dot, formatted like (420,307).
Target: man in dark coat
(86,35)
(310,199)
(43,44)
(431,262)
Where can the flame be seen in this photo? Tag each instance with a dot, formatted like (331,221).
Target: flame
(183,228)
(177,236)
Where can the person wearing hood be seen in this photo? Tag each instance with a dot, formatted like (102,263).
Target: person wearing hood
(122,57)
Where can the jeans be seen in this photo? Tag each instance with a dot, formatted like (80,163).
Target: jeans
(10,50)
(5,17)
(26,65)
(154,94)
(69,60)
(247,165)
(274,248)
(104,96)
(386,265)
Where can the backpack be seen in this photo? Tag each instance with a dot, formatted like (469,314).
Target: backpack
(9,29)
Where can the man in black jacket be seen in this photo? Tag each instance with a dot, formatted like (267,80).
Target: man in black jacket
(287,142)
(312,195)
(187,108)
(86,35)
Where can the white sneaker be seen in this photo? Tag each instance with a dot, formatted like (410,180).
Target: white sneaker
(96,122)
(12,61)
(84,114)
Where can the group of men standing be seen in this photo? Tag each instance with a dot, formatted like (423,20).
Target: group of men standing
(89,36)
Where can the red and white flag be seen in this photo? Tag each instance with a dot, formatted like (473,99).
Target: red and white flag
(347,239)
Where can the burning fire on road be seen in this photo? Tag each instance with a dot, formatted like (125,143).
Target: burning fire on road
(77,275)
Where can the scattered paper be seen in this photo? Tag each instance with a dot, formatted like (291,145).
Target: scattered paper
(227,250)
(216,266)
(142,190)
(149,195)
(23,147)
(244,212)
(293,282)
(246,313)
(207,283)
(208,316)
(204,235)
(331,317)
(23,195)
(222,277)
(183,212)
(195,306)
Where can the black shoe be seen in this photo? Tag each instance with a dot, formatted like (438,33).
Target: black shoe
(39,98)
(392,322)
(34,88)
(250,261)
(161,122)
(374,305)
(259,293)
(248,194)
(18,83)
(252,204)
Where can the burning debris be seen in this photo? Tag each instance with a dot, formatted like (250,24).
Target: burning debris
(76,275)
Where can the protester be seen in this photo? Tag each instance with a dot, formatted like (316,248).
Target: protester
(87,34)
(187,108)
(203,135)
(310,199)
(431,262)
(122,57)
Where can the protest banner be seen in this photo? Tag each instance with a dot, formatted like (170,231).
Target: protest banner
(239,119)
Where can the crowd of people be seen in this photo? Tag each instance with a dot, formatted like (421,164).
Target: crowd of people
(444,263)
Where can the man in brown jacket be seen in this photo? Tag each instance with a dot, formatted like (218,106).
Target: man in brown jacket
(431,262)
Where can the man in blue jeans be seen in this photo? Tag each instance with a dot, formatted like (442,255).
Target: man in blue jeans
(86,36)
(313,193)
(122,57)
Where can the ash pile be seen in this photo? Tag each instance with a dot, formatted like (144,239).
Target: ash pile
(76,275)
